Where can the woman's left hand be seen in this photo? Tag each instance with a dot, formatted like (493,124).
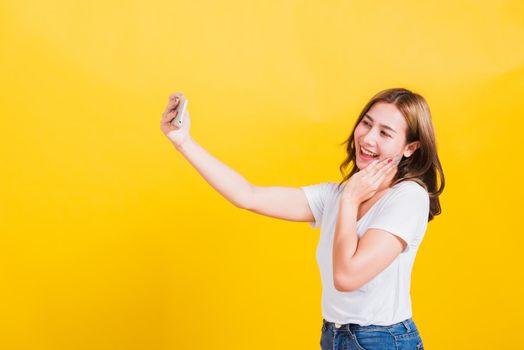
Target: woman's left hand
(365,183)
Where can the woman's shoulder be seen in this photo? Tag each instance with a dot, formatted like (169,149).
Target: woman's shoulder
(410,189)
(410,185)
(326,189)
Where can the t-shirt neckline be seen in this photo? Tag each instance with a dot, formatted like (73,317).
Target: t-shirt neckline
(376,203)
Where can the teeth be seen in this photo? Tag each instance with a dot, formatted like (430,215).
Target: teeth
(368,153)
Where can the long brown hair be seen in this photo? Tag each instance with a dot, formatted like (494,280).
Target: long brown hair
(423,165)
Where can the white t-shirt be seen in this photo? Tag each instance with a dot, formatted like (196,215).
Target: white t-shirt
(402,210)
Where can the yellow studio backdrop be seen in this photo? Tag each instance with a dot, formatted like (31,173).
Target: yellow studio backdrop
(111,240)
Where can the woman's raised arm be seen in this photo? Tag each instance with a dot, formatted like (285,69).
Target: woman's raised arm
(288,203)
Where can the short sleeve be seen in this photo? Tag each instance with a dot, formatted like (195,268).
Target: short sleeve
(404,214)
(317,196)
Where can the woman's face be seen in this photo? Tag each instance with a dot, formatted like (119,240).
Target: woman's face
(381,131)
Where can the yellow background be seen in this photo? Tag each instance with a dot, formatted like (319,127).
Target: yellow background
(111,240)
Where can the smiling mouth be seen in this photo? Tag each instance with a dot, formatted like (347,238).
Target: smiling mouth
(366,156)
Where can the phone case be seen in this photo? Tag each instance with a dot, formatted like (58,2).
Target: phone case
(181,109)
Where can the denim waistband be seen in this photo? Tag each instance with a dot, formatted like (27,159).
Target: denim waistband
(408,324)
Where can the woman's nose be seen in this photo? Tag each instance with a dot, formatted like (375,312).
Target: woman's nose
(369,138)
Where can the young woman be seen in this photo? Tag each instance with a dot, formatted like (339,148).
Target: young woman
(372,222)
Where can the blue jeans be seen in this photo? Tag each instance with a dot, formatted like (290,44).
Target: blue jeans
(399,336)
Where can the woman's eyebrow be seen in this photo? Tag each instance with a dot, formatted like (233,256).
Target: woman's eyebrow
(382,125)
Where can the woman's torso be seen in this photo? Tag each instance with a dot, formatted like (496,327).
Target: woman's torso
(385,299)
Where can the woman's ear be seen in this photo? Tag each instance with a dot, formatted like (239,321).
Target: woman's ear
(411,148)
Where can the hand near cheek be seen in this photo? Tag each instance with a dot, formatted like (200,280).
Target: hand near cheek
(365,183)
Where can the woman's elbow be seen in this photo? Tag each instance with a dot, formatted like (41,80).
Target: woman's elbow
(343,284)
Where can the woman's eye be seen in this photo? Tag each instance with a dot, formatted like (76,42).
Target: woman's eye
(367,124)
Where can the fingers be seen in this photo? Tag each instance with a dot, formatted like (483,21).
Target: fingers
(372,168)
(383,167)
(383,172)
(170,113)
(174,95)
(173,102)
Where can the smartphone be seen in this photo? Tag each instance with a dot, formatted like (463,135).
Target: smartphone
(181,110)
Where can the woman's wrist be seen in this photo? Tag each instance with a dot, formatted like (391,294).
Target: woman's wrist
(183,146)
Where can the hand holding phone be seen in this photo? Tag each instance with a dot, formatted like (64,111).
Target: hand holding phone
(175,122)
(180,111)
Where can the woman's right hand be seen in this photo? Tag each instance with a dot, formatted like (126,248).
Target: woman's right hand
(177,135)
